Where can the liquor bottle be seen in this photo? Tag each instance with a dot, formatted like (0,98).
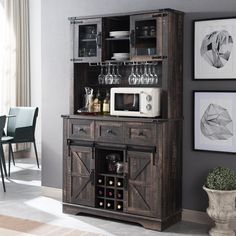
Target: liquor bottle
(97,103)
(106,104)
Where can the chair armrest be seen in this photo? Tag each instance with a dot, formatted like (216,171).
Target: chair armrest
(24,134)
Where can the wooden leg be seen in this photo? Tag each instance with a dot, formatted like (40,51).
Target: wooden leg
(2,175)
(3,160)
(36,154)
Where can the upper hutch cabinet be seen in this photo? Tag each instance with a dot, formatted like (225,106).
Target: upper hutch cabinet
(146,36)
(87,40)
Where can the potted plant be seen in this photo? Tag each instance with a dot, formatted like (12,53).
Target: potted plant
(220,186)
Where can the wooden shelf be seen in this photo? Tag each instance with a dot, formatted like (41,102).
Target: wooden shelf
(118,39)
(146,37)
(88,40)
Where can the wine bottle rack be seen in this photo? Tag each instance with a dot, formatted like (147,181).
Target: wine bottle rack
(110,192)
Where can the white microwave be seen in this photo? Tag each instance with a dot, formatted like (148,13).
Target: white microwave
(135,101)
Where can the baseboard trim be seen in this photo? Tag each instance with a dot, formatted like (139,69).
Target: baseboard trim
(200,218)
(55,193)
(187,215)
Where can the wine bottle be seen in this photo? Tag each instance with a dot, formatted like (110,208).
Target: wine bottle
(119,194)
(110,205)
(119,206)
(106,104)
(97,103)
(100,180)
(110,193)
(119,183)
(100,192)
(110,181)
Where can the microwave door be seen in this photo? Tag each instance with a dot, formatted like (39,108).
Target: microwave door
(136,100)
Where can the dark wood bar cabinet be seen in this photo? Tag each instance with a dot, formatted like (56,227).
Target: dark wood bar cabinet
(125,168)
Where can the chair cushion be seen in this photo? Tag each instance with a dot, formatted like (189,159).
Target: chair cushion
(6,139)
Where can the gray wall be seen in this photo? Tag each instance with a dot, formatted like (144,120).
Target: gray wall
(56,77)
(197,163)
(35,63)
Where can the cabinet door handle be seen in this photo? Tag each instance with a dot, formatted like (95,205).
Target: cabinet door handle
(153,159)
(126,181)
(68,147)
(99,40)
(132,38)
(109,131)
(82,130)
(79,22)
(91,177)
(141,134)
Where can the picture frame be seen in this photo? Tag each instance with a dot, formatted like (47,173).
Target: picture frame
(215,49)
(214,123)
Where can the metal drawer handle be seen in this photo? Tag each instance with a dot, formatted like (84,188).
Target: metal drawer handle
(82,130)
(141,133)
(109,131)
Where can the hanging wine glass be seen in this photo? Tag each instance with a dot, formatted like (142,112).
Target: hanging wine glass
(132,76)
(151,78)
(118,75)
(101,76)
(114,81)
(108,77)
(155,76)
(145,76)
(138,76)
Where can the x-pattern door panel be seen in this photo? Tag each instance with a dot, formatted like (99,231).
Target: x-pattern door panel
(141,184)
(81,169)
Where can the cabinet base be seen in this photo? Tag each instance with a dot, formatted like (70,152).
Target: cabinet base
(146,222)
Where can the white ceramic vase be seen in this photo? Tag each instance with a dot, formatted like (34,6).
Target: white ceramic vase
(222,210)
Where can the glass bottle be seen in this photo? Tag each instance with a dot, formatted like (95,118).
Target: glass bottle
(106,104)
(97,103)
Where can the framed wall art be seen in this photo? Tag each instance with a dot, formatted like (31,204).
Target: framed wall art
(215,49)
(214,121)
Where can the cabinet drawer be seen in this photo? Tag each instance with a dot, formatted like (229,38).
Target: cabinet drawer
(140,133)
(109,132)
(81,129)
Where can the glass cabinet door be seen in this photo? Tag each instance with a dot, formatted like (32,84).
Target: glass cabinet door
(87,41)
(146,36)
